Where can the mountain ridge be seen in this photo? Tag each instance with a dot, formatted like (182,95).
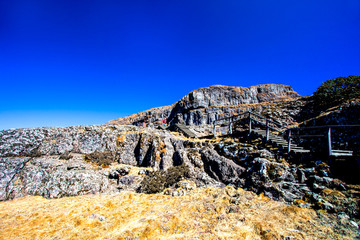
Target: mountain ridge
(213,96)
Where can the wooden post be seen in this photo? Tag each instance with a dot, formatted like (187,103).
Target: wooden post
(230,126)
(329,141)
(267,130)
(289,141)
(249,123)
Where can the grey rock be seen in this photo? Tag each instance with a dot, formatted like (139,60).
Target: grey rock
(354,224)
(143,172)
(98,217)
(343,215)
(129,183)
(57,141)
(205,105)
(10,168)
(221,168)
(51,178)
(175,192)
(327,206)
(117,173)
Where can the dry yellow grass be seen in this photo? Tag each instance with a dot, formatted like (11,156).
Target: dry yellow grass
(201,214)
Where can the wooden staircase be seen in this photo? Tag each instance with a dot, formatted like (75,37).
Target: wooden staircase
(280,141)
(248,119)
(183,128)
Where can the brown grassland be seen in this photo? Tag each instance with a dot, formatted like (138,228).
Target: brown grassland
(201,214)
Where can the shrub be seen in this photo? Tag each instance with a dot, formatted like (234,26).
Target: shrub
(100,158)
(338,90)
(176,174)
(157,181)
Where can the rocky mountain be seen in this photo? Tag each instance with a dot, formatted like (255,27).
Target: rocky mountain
(56,162)
(204,105)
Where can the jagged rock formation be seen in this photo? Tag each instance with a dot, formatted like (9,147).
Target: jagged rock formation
(31,164)
(50,177)
(30,159)
(204,105)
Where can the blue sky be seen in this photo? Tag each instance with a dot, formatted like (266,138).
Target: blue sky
(87,62)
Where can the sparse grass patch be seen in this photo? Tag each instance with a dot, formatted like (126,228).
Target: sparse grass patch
(203,214)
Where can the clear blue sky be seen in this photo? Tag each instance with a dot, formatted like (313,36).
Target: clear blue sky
(86,62)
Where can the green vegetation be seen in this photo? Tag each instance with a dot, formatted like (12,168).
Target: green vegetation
(157,181)
(338,90)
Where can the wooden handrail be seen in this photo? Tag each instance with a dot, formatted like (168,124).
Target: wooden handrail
(266,124)
(233,116)
(325,126)
(251,113)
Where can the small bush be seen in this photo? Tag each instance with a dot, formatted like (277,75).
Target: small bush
(157,181)
(176,174)
(153,183)
(338,90)
(100,158)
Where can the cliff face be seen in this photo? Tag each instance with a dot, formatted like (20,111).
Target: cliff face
(228,96)
(204,105)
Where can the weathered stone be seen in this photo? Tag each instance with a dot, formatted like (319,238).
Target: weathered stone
(231,192)
(57,141)
(51,178)
(129,183)
(205,105)
(143,172)
(98,217)
(186,185)
(220,168)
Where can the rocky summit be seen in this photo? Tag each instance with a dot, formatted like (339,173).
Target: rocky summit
(137,154)
(204,105)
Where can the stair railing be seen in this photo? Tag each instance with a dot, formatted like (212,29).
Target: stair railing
(326,134)
(252,117)
(282,130)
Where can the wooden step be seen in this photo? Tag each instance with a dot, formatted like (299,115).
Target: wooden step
(186,130)
(341,153)
(300,151)
(280,141)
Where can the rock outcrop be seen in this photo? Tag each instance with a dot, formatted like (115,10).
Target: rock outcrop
(31,159)
(32,162)
(51,178)
(204,105)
